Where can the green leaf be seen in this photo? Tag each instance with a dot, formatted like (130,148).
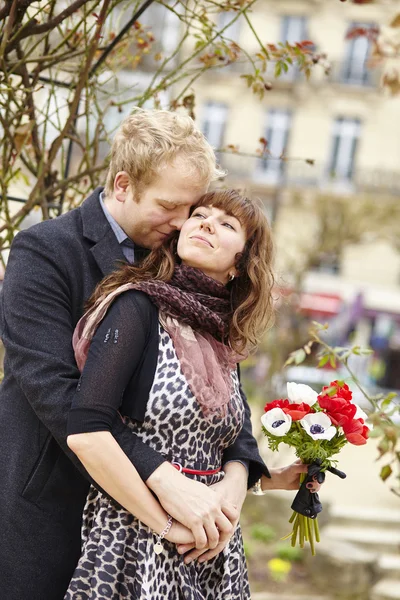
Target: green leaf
(289,361)
(376,432)
(383,446)
(278,69)
(388,400)
(323,360)
(285,67)
(319,326)
(332,361)
(386,472)
(299,356)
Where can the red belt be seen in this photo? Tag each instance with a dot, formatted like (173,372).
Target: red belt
(194,471)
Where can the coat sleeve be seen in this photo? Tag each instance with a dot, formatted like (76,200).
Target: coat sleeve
(245,448)
(37,327)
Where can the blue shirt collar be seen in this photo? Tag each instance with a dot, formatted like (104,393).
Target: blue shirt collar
(117,229)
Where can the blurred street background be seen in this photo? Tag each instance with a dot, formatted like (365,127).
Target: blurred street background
(301,101)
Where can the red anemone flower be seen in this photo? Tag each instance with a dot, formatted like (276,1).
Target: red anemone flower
(338,409)
(342,390)
(355,431)
(281,403)
(296,411)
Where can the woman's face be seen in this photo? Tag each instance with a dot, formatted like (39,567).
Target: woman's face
(210,240)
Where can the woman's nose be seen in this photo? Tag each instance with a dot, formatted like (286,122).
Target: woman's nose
(206,224)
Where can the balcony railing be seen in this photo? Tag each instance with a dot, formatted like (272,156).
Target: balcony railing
(352,73)
(345,73)
(300,174)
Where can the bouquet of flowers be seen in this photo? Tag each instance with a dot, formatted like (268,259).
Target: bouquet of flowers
(317,426)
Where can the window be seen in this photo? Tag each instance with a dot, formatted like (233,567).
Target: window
(276,134)
(214,123)
(232,32)
(165,26)
(355,70)
(293,29)
(346,133)
(326,262)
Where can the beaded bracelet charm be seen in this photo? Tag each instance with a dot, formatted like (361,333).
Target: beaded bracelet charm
(158,547)
(257,489)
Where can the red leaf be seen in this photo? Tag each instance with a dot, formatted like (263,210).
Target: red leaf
(357,32)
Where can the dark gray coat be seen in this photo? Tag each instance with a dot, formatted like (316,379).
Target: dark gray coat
(52,270)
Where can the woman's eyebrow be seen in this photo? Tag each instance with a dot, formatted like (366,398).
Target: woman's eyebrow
(228,216)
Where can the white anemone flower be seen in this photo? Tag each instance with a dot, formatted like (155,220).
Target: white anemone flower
(276,422)
(318,426)
(360,414)
(298,393)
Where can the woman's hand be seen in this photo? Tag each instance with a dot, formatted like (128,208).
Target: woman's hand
(287,478)
(179,534)
(231,488)
(193,504)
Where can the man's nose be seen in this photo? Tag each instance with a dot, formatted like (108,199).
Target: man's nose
(177,222)
(179,217)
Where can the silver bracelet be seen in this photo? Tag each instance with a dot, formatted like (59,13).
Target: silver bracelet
(158,547)
(257,489)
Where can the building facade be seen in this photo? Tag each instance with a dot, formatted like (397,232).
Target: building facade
(334,198)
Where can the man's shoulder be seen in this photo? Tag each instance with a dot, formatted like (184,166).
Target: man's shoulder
(60,226)
(68,225)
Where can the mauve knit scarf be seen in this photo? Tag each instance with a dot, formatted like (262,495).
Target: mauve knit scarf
(196,311)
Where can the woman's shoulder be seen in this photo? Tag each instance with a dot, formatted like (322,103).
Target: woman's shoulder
(137,301)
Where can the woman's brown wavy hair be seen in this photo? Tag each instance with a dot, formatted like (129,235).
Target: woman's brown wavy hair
(251,290)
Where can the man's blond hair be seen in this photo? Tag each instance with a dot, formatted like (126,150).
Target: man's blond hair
(149,140)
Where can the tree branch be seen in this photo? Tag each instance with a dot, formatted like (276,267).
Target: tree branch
(32,29)
(121,34)
(55,146)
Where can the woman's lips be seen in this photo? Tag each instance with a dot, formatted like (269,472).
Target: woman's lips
(202,239)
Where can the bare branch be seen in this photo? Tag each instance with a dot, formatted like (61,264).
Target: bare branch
(32,29)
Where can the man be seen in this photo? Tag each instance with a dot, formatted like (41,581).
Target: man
(160,165)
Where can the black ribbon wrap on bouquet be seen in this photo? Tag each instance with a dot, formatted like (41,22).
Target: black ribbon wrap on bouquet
(307,503)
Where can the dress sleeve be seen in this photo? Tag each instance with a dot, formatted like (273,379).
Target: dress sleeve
(245,448)
(115,352)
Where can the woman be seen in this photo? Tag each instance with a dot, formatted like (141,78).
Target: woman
(209,297)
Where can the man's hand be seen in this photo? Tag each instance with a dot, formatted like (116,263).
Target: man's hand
(232,487)
(179,534)
(207,514)
(287,478)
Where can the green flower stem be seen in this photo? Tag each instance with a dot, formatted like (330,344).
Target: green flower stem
(294,533)
(302,530)
(305,527)
(316,529)
(310,535)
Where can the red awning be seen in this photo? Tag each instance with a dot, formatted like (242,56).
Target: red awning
(325,304)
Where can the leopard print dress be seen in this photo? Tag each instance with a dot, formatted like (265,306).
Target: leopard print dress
(118,559)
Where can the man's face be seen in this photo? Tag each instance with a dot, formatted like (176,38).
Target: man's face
(163,207)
